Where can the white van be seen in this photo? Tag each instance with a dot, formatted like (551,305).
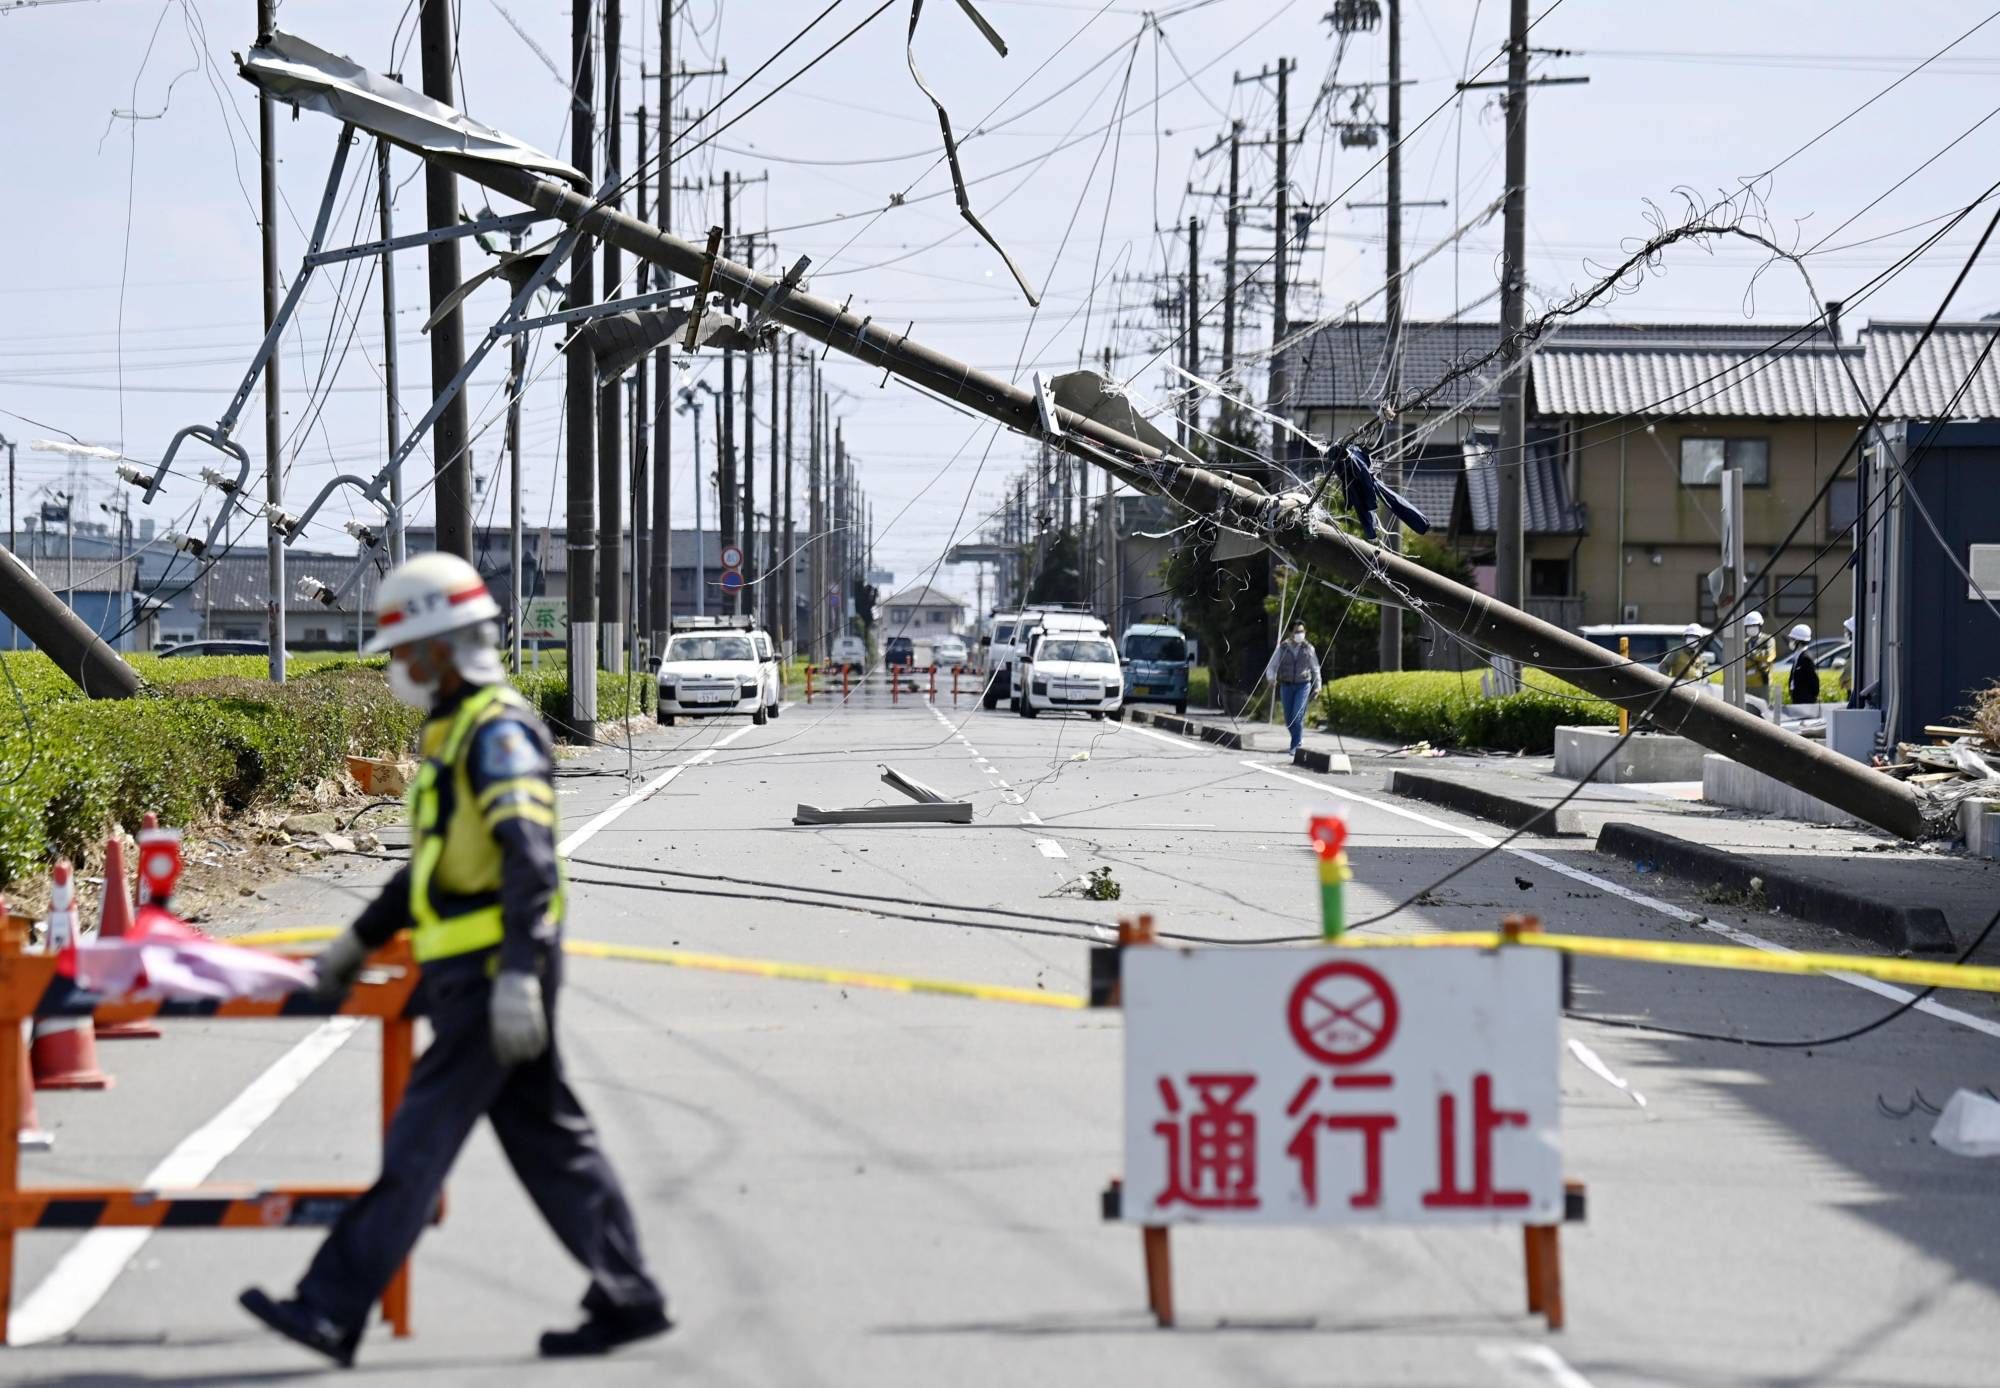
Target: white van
(1067,668)
(1011,636)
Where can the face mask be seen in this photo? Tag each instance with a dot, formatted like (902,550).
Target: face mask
(1298,638)
(408,688)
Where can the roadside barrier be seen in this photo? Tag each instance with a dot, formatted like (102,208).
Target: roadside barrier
(32,986)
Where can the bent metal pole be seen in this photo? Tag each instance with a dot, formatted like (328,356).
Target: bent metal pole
(1285,522)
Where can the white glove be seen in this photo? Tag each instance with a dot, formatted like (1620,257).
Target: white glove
(338,965)
(520,1026)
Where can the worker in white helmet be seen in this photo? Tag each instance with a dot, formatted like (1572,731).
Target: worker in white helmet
(1760,653)
(1802,685)
(482,896)
(1684,661)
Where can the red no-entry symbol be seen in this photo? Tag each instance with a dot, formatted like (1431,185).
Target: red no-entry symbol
(1342,1013)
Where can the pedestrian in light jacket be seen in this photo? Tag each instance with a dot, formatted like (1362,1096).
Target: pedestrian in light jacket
(1295,670)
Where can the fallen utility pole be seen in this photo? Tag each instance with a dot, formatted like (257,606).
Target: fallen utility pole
(60,634)
(1286,522)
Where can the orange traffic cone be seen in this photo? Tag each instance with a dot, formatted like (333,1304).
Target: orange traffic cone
(32,1136)
(65,1048)
(115,919)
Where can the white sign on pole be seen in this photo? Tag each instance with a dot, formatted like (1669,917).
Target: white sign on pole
(732,557)
(1341,1086)
(545,619)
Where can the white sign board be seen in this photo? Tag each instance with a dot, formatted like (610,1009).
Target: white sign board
(545,619)
(1341,1086)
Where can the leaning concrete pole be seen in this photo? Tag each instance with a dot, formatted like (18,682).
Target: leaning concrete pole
(1285,522)
(61,635)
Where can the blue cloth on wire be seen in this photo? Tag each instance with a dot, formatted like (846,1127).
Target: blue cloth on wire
(1365,492)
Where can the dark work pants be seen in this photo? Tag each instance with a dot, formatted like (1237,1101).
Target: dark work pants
(544,1131)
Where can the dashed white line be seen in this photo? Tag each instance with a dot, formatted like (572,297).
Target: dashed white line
(1050,848)
(1532,1364)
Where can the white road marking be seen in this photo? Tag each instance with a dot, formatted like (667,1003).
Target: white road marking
(1532,1364)
(1050,848)
(1652,903)
(644,793)
(85,1273)
(1030,817)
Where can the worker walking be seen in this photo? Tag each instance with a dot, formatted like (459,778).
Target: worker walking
(1295,670)
(1683,662)
(483,897)
(1803,683)
(1760,653)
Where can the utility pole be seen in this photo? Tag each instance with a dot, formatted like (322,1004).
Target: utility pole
(775,557)
(1281,265)
(725,447)
(642,569)
(815,510)
(449,446)
(517,381)
(660,590)
(1229,290)
(1510,543)
(580,534)
(274,469)
(390,378)
(748,544)
(1192,413)
(9,445)
(610,404)
(837,587)
(1389,651)
(789,585)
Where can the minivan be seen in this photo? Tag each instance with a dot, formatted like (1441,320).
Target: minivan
(1156,665)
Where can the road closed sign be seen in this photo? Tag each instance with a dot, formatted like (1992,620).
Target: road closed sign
(1341,1086)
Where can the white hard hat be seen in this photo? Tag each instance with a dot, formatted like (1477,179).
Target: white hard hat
(1694,630)
(1801,632)
(1755,619)
(1847,625)
(431,595)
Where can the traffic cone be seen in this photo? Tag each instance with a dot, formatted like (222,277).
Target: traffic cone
(33,1137)
(65,1048)
(115,919)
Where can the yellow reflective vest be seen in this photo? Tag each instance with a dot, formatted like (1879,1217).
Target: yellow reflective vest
(455,862)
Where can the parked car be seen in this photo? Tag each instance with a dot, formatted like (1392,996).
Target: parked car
(714,671)
(848,653)
(774,674)
(947,653)
(899,653)
(1156,665)
(1068,671)
(1019,630)
(1648,641)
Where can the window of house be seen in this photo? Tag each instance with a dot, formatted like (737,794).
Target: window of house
(1793,599)
(1703,461)
(1548,578)
(1843,504)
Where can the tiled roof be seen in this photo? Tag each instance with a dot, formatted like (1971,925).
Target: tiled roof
(1545,505)
(1940,369)
(88,575)
(1786,382)
(1341,365)
(923,595)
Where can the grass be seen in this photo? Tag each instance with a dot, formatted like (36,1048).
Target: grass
(1447,709)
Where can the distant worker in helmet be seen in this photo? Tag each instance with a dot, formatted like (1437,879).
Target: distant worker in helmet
(1802,686)
(1683,662)
(482,896)
(1760,653)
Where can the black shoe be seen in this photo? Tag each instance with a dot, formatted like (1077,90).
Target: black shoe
(604,1332)
(299,1323)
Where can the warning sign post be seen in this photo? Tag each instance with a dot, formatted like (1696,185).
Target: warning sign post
(1318,1086)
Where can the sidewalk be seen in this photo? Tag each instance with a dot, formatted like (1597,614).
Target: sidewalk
(1927,898)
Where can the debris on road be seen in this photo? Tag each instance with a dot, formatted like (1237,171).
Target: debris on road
(929,807)
(1969,1125)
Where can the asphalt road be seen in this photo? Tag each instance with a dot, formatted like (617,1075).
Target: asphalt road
(845,1186)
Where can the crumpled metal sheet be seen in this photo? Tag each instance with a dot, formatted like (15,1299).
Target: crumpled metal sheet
(621,341)
(951,143)
(300,74)
(1094,397)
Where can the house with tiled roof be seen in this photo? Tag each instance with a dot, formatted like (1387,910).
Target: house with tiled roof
(1631,427)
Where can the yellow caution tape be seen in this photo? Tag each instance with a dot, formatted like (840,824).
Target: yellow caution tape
(1922,973)
(733,964)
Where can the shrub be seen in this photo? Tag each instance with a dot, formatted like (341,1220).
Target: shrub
(1446,708)
(618,696)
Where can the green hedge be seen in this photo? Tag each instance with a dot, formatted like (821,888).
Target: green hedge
(618,696)
(1446,709)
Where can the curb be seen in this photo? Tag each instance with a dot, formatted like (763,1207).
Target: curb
(1326,763)
(1919,929)
(1487,804)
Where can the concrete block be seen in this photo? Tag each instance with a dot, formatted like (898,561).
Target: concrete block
(1980,822)
(1646,756)
(1793,890)
(1327,763)
(1728,782)
(1482,803)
